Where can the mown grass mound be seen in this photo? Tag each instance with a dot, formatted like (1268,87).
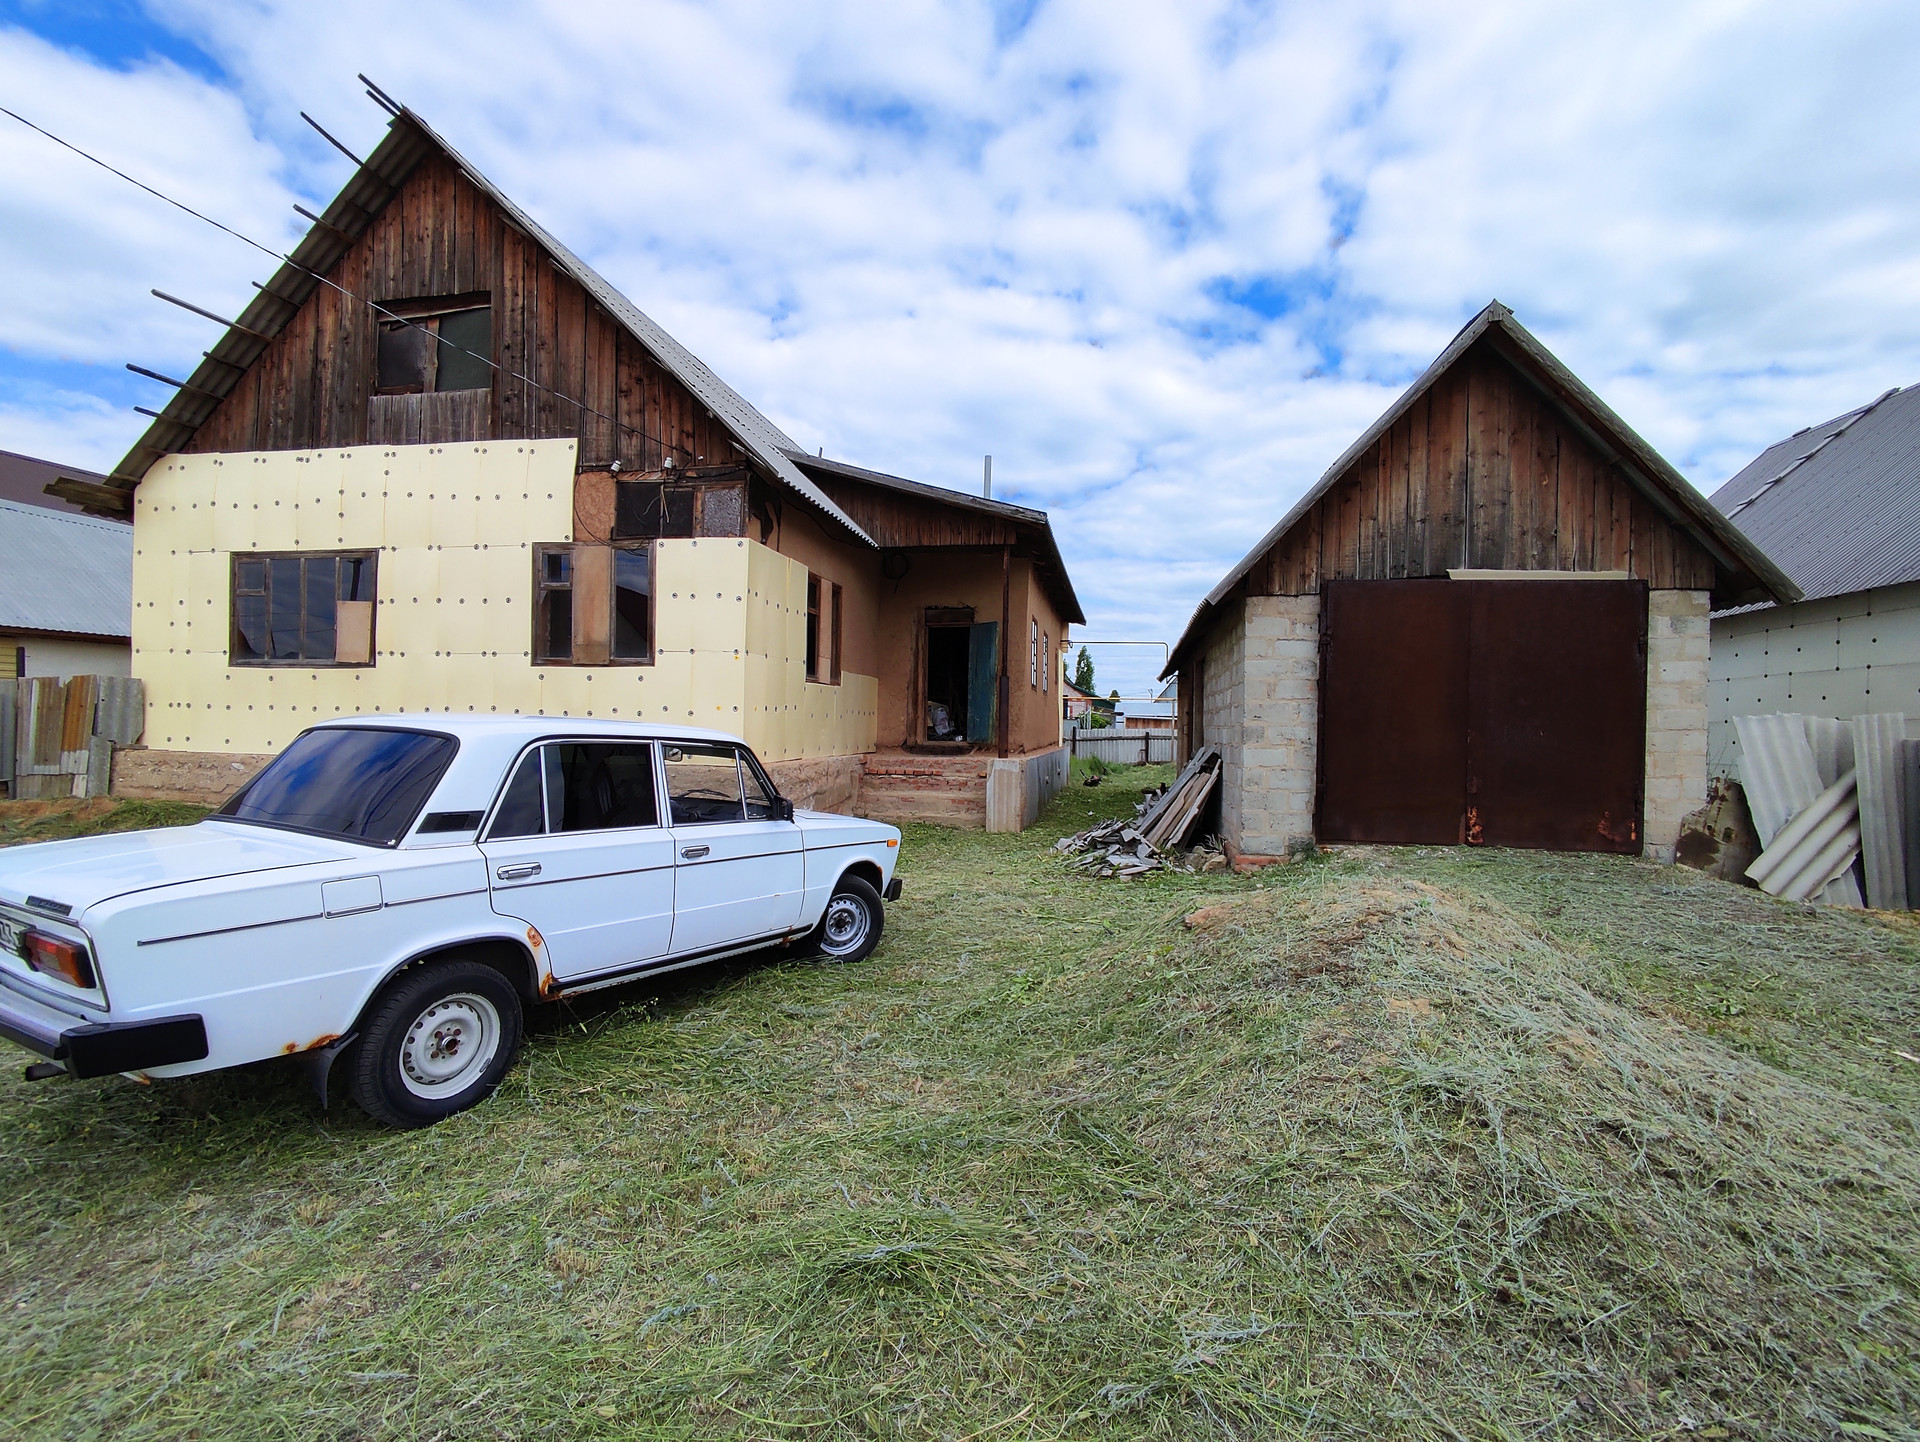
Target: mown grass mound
(1428,1144)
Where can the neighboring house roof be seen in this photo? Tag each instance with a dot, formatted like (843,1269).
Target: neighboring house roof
(1838,504)
(25,479)
(1057,579)
(1672,493)
(409,140)
(66,574)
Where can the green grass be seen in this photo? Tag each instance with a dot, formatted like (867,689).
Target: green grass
(57,820)
(1419,1143)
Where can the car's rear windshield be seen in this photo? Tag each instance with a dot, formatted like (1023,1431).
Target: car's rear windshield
(359,783)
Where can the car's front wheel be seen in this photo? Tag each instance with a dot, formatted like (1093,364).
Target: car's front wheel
(850,928)
(436,1042)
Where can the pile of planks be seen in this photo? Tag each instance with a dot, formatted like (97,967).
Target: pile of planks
(1163,824)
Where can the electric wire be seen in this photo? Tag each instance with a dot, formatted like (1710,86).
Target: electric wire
(386,315)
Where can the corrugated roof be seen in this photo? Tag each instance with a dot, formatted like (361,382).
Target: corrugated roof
(65,573)
(1672,494)
(1838,504)
(408,141)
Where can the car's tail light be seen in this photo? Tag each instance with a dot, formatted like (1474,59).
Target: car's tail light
(54,957)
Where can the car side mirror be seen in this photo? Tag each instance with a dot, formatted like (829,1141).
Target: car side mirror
(782,809)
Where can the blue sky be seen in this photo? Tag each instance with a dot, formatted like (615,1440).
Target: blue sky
(1162,261)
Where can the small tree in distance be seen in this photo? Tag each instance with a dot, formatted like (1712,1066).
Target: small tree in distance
(1083,671)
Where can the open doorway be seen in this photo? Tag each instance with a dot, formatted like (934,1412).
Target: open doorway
(947,652)
(962,666)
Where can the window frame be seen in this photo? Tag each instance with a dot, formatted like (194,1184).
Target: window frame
(371,558)
(812,654)
(833,662)
(651,550)
(542,588)
(1033,648)
(426,313)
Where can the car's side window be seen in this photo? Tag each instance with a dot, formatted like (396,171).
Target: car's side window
(521,812)
(759,790)
(703,783)
(600,785)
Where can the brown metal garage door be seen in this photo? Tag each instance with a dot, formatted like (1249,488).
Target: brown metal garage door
(1497,713)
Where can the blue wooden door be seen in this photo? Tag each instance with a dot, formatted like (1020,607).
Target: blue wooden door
(983,679)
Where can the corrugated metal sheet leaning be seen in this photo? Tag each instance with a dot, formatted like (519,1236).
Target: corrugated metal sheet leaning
(1824,793)
(58,740)
(1812,852)
(1883,819)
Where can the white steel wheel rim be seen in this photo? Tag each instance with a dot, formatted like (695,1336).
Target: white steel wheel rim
(449,1045)
(844,927)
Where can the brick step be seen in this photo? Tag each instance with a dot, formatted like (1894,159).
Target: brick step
(958,785)
(943,808)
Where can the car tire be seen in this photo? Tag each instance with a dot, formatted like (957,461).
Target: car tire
(850,927)
(435,1042)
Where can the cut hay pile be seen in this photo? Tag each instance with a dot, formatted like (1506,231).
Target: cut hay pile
(1660,1233)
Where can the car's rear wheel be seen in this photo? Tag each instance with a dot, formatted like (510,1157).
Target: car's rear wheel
(850,927)
(435,1042)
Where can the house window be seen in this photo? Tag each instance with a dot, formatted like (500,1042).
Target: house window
(1033,653)
(1046,660)
(435,345)
(593,605)
(302,610)
(553,603)
(833,665)
(633,603)
(813,627)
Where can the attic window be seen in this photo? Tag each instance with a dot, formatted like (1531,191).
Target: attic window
(442,344)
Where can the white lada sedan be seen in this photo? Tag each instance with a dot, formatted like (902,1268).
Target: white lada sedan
(392,890)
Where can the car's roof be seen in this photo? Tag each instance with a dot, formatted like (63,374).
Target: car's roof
(530,727)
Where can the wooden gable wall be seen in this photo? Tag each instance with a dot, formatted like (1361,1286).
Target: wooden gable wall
(441,236)
(1481,473)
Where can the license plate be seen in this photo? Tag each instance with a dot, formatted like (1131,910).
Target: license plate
(9,936)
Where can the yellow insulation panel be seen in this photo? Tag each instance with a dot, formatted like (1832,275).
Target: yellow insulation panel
(454,527)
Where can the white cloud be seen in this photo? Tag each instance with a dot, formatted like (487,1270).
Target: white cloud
(913,245)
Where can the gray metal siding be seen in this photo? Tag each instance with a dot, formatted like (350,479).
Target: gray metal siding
(1844,656)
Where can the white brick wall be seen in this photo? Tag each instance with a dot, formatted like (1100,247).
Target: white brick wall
(1678,642)
(1222,711)
(1278,763)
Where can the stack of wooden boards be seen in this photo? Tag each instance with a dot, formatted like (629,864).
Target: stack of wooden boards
(1165,822)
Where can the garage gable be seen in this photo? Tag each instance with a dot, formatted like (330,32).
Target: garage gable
(1499,459)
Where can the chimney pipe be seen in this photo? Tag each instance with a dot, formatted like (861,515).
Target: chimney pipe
(986,480)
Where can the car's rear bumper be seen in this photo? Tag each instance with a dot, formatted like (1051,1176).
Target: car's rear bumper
(99,1048)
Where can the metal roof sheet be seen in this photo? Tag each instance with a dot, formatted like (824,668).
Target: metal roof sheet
(1671,493)
(1838,504)
(408,141)
(65,573)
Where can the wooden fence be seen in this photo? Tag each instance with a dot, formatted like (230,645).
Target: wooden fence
(1120,748)
(57,739)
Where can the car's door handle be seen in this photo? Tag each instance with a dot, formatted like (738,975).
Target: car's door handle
(693,853)
(518,873)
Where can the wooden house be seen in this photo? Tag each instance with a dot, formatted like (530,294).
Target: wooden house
(439,464)
(1485,624)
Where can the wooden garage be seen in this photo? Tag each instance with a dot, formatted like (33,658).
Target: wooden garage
(1485,624)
